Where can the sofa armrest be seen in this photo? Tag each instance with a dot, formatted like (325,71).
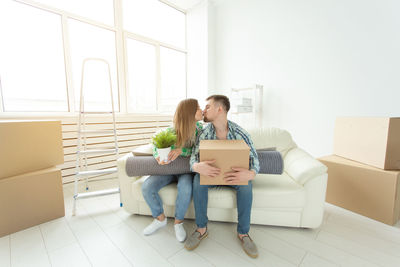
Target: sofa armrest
(301,166)
(121,166)
(125,183)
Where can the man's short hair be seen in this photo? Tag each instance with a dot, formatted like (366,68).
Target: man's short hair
(222,100)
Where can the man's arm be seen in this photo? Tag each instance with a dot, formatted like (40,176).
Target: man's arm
(254,164)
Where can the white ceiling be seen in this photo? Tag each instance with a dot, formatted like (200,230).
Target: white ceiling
(185,4)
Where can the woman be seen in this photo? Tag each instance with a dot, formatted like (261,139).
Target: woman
(187,127)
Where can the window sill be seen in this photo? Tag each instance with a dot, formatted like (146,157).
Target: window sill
(37,115)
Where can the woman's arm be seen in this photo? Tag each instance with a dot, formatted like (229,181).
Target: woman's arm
(155,152)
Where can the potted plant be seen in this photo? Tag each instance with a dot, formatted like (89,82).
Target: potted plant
(163,142)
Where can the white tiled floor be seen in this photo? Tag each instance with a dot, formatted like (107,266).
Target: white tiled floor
(103,234)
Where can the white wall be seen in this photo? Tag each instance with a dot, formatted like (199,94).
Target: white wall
(317,60)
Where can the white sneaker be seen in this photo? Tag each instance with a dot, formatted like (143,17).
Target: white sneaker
(180,232)
(154,226)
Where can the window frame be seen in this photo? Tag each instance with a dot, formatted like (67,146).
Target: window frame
(121,37)
(157,45)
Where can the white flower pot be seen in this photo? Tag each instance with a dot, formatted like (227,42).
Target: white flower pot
(163,154)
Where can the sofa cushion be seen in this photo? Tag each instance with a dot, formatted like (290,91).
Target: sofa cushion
(267,193)
(143,150)
(272,137)
(277,191)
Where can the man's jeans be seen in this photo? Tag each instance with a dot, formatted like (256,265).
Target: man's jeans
(244,199)
(153,184)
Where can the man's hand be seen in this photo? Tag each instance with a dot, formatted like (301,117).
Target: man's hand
(205,168)
(173,154)
(239,175)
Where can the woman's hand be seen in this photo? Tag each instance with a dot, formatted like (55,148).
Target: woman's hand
(161,162)
(174,154)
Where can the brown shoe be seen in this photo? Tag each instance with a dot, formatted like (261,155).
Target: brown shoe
(193,241)
(248,246)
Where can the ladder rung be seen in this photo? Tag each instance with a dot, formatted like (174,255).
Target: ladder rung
(97,131)
(94,151)
(97,193)
(97,172)
(96,112)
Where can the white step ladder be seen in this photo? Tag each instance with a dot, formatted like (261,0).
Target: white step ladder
(82,150)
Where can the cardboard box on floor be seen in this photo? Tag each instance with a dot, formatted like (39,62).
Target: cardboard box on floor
(30,199)
(364,189)
(28,146)
(372,141)
(228,154)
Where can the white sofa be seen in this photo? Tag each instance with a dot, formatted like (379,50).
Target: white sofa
(295,198)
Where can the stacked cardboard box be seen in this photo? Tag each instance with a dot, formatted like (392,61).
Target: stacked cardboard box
(364,173)
(30,184)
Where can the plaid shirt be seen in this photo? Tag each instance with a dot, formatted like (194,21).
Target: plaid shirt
(235,132)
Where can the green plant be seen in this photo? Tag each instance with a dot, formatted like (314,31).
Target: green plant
(164,139)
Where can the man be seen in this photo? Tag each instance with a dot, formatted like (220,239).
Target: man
(221,128)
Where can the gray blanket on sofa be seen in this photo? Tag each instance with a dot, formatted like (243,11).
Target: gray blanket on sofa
(271,162)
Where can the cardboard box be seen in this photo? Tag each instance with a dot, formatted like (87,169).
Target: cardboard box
(364,189)
(372,141)
(30,199)
(28,146)
(228,154)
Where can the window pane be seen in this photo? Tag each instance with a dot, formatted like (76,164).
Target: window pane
(173,78)
(141,76)
(156,20)
(99,10)
(32,68)
(88,41)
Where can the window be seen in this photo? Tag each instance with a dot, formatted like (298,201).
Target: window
(156,60)
(99,10)
(32,69)
(45,42)
(156,20)
(142,76)
(173,78)
(84,43)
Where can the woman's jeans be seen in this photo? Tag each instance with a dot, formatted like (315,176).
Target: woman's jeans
(153,184)
(244,200)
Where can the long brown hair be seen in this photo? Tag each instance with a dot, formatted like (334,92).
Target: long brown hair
(185,121)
